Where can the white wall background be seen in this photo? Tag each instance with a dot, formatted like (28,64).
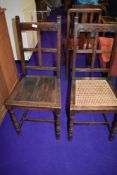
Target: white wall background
(17,8)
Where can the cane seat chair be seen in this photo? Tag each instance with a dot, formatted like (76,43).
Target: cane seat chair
(37,92)
(95,93)
(85,14)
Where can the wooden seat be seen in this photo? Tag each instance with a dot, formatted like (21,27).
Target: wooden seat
(37,92)
(86,14)
(93,92)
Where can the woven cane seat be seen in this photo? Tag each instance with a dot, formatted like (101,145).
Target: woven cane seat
(94,93)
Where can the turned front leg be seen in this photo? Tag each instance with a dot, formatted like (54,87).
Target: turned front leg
(113,128)
(57,124)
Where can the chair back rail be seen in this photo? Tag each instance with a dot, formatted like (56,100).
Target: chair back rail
(39,27)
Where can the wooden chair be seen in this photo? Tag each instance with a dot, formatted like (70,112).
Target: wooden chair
(34,92)
(92,94)
(85,15)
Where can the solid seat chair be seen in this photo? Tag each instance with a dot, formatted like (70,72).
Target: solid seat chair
(37,92)
(93,94)
(86,14)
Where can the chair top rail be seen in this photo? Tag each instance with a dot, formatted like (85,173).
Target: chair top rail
(85,10)
(48,26)
(87,6)
(84,27)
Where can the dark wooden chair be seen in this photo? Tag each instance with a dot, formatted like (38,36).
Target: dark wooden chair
(93,94)
(36,92)
(86,14)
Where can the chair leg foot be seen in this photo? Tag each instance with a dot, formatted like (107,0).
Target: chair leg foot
(57,124)
(57,136)
(14,121)
(70,137)
(113,128)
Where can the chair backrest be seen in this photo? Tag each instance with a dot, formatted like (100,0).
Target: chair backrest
(94,52)
(85,13)
(39,27)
